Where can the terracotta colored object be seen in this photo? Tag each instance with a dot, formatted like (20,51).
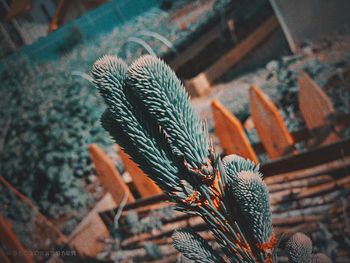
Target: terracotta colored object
(110,178)
(315,107)
(11,248)
(269,124)
(86,237)
(145,186)
(18,7)
(231,133)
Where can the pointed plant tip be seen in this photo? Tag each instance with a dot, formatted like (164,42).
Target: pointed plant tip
(321,258)
(146,61)
(300,239)
(232,158)
(108,64)
(299,248)
(249,177)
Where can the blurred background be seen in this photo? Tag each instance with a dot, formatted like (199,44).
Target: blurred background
(56,203)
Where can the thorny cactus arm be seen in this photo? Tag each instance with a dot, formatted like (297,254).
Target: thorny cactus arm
(149,115)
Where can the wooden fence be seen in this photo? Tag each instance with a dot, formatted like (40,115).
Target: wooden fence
(317,111)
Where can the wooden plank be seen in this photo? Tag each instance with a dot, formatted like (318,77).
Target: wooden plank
(269,124)
(11,244)
(324,154)
(86,237)
(316,108)
(3,256)
(145,186)
(110,178)
(231,133)
(231,58)
(298,174)
(44,222)
(17,7)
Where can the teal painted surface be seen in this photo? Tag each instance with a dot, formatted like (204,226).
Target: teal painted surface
(100,20)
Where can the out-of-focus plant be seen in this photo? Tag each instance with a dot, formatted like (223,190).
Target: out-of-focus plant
(48,118)
(299,250)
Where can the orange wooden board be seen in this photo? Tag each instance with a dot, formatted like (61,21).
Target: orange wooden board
(86,237)
(315,106)
(145,186)
(3,257)
(231,133)
(269,124)
(200,84)
(10,243)
(110,178)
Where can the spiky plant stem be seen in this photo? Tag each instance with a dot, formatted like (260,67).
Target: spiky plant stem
(149,115)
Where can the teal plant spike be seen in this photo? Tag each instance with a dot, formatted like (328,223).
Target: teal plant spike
(148,113)
(161,92)
(194,247)
(299,248)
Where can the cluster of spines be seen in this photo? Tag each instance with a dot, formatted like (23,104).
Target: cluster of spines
(299,250)
(128,125)
(194,247)
(149,115)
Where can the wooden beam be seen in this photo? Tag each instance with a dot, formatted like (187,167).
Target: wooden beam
(44,221)
(110,178)
(145,186)
(201,83)
(231,133)
(18,7)
(324,154)
(3,256)
(269,124)
(316,109)
(57,19)
(11,244)
(86,237)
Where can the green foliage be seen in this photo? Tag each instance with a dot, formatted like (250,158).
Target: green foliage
(194,247)
(149,115)
(251,195)
(153,251)
(49,119)
(154,220)
(161,92)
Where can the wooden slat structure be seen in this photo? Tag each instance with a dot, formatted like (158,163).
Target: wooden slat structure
(231,133)
(145,186)
(269,124)
(14,250)
(316,109)
(300,199)
(18,7)
(91,230)
(202,82)
(108,175)
(39,234)
(3,256)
